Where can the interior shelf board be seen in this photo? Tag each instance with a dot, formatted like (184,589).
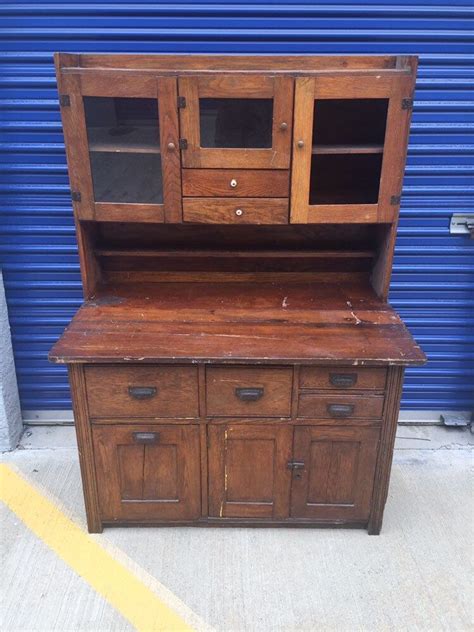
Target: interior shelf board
(122,148)
(347,149)
(300,254)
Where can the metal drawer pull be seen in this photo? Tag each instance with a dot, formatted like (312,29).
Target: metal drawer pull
(343,380)
(340,410)
(249,394)
(142,392)
(146,437)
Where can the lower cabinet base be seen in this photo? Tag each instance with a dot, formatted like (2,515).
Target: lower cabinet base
(329,471)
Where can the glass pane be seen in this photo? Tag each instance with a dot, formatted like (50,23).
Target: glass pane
(347,150)
(236,123)
(124,149)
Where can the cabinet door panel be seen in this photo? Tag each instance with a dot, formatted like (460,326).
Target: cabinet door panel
(338,475)
(236,121)
(123,139)
(248,473)
(148,472)
(350,137)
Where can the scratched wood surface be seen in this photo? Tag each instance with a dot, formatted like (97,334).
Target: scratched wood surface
(235,322)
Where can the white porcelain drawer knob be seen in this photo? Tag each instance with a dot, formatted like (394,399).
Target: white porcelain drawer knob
(239,212)
(233,183)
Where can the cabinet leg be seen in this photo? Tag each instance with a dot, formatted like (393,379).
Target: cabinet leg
(374,527)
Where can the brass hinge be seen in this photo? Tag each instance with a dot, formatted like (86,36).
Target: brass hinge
(395,200)
(181,102)
(183,143)
(75,196)
(407,104)
(64,100)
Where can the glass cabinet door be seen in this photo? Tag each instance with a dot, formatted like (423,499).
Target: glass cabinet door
(347,156)
(236,121)
(124,149)
(129,144)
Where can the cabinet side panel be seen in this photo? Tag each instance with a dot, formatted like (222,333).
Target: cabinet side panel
(386,445)
(302,133)
(84,441)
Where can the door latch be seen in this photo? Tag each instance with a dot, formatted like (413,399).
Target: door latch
(296,467)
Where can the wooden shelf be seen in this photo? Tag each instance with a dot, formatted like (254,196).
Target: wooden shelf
(123,140)
(347,149)
(249,254)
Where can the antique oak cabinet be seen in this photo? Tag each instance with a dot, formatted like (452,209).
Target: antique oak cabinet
(236,361)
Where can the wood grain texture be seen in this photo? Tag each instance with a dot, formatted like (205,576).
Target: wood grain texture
(193,88)
(248,474)
(176,391)
(109,212)
(337,479)
(222,391)
(180,62)
(385,451)
(157,480)
(302,143)
(347,378)
(233,322)
(169,142)
(320,406)
(250,183)
(85,447)
(235,210)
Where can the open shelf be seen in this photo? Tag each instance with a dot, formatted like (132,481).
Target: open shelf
(347,149)
(280,254)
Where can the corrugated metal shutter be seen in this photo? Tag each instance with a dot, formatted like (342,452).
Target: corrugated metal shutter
(433,281)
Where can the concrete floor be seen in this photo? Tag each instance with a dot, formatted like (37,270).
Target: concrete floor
(416,576)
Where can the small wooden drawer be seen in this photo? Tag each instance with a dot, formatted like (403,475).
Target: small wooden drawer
(236,183)
(323,406)
(342,378)
(233,211)
(248,392)
(142,391)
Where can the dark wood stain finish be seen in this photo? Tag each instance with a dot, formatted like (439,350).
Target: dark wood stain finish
(236,361)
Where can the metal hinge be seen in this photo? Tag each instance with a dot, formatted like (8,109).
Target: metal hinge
(181,102)
(64,100)
(407,104)
(183,143)
(75,196)
(395,200)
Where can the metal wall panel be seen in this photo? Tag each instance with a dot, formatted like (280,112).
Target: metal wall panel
(433,277)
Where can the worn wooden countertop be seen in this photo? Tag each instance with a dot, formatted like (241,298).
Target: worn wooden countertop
(234,322)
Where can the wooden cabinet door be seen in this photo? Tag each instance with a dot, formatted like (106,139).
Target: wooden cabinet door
(148,472)
(334,472)
(236,121)
(349,147)
(248,470)
(122,144)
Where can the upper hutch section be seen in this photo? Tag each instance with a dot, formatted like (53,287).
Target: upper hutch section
(236,140)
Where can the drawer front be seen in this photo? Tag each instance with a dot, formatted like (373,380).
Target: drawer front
(343,407)
(248,392)
(342,378)
(234,211)
(235,183)
(142,391)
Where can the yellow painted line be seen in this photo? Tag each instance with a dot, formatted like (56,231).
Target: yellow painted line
(120,587)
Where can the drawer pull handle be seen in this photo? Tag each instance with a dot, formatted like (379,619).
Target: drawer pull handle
(142,392)
(343,380)
(340,410)
(249,394)
(146,437)
(233,183)
(239,212)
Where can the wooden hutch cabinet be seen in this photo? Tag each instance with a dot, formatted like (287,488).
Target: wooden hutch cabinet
(236,361)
